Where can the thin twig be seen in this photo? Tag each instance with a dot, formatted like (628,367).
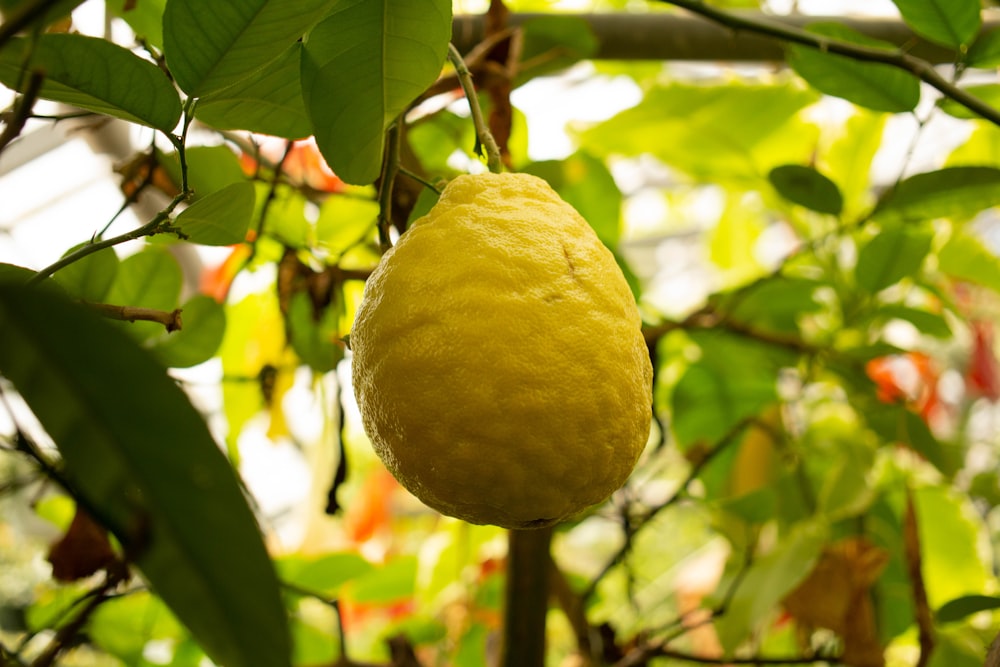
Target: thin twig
(22,109)
(896,58)
(171,320)
(390,165)
(157,225)
(922,610)
(483,135)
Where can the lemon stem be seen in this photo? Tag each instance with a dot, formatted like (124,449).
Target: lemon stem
(483,135)
(526,598)
(390,167)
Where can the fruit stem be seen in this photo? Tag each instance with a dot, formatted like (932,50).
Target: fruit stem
(526,599)
(485,140)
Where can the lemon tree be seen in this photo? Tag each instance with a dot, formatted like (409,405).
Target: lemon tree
(704,371)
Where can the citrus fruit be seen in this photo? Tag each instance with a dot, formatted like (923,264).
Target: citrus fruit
(498,359)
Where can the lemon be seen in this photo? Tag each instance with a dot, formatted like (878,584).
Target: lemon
(498,358)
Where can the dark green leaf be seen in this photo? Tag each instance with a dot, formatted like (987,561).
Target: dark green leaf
(774,305)
(96,75)
(270,102)
(210,46)
(964,257)
(362,66)
(91,277)
(873,85)
(959,608)
(150,279)
(586,183)
(14,10)
(204,324)
(952,23)
(807,187)
(141,457)
(555,42)
(952,192)
(896,424)
(221,218)
(315,337)
(985,51)
(894,254)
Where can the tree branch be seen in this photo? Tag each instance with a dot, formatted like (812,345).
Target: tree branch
(896,58)
(21,112)
(170,320)
(526,600)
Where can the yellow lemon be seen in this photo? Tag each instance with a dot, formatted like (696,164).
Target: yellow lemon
(498,358)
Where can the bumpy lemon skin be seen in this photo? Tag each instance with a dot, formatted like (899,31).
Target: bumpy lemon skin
(498,359)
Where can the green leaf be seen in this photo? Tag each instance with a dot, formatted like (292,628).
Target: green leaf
(316,337)
(210,168)
(221,218)
(210,46)
(204,325)
(555,42)
(768,580)
(141,457)
(91,277)
(270,102)
(985,51)
(734,379)
(123,626)
(964,257)
(874,85)
(323,574)
(151,278)
(345,222)
(987,92)
(772,305)
(362,66)
(145,18)
(952,192)
(394,581)
(585,182)
(96,75)
(890,256)
(951,23)
(959,608)
(807,187)
(715,133)
(13,10)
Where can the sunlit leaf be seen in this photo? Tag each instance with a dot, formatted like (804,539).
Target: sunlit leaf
(964,257)
(807,187)
(221,218)
(210,168)
(952,23)
(96,75)
(346,221)
(270,102)
(396,580)
(204,324)
(890,256)
(952,192)
(145,18)
(361,67)
(91,277)
(142,458)
(123,626)
(874,85)
(849,158)
(713,132)
(211,46)
(322,574)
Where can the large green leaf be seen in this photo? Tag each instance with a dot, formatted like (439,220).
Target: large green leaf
(143,461)
(892,255)
(210,46)
(221,218)
(96,75)
(91,277)
(270,102)
(987,92)
(204,325)
(952,23)
(873,85)
(145,18)
(362,66)
(715,133)
(952,192)
(209,168)
(985,51)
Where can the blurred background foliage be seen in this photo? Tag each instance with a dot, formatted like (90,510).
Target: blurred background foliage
(813,246)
